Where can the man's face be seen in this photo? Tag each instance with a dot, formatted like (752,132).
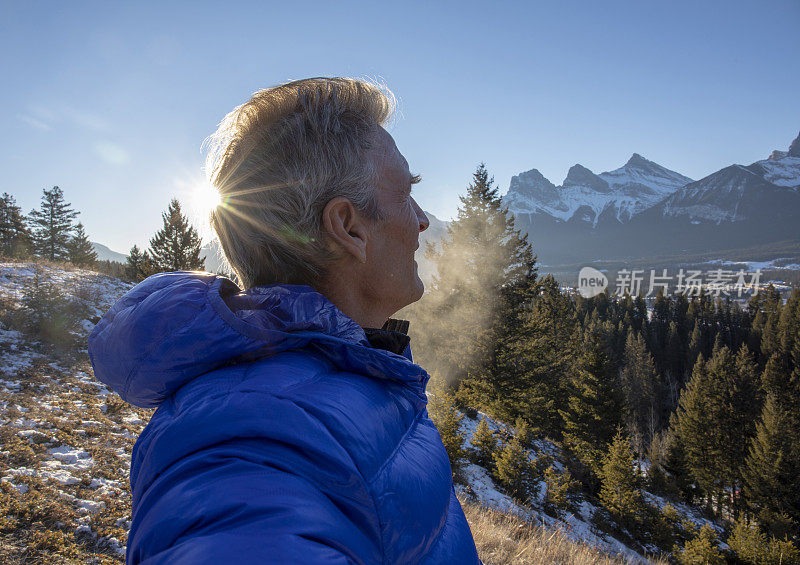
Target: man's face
(393,278)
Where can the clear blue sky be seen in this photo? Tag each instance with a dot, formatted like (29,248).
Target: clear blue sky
(111,101)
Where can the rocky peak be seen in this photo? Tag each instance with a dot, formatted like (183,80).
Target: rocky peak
(794,148)
(531,178)
(579,175)
(533,183)
(638,162)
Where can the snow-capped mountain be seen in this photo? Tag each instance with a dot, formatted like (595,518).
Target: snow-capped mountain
(643,207)
(738,193)
(732,194)
(585,196)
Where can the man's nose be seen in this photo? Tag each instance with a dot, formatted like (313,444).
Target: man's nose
(423,219)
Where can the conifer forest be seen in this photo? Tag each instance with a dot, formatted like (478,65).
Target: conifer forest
(693,397)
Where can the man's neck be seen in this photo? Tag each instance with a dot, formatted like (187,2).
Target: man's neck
(347,296)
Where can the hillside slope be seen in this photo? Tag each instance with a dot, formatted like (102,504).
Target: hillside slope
(66,442)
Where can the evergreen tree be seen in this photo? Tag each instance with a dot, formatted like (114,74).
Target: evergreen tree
(81,252)
(715,421)
(772,470)
(111,268)
(770,338)
(523,432)
(753,546)
(484,443)
(447,419)
(52,226)
(695,428)
(620,492)
(701,549)
(514,469)
(658,329)
(738,427)
(176,246)
(593,411)
(15,237)
(138,266)
(483,269)
(788,329)
(535,361)
(560,490)
(642,390)
(668,473)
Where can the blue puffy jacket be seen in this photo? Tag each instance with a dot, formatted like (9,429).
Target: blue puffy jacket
(281,435)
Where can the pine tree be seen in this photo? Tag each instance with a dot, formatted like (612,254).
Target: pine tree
(642,390)
(52,226)
(753,546)
(594,409)
(701,549)
(176,246)
(81,252)
(535,361)
(523,432)
(772,470)
(621,487)
(695,428)
(560,489)
(447,420)
(138,266)
(513,470)
(789,325)
(715,421)
(15,237)
(483,267)
(484,443)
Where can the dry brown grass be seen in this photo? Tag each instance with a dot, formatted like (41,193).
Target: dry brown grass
(504,539)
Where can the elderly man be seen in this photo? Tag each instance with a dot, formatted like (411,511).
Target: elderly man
(291,423)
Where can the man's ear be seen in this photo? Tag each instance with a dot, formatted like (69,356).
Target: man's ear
(345,227)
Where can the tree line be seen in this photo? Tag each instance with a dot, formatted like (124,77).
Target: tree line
(701,392)
(51,233)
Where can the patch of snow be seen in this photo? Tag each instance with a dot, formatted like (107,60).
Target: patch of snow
(782,172)
(70,455)
(90,506)
(752,265)
(487,493)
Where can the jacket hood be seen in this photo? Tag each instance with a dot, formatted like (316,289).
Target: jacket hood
(173,327)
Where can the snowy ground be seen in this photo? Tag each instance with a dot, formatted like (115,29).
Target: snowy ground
(576,525)
(784,263)
(59,437)
(94,291)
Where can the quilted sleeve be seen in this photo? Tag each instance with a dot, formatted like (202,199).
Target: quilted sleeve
(249,478)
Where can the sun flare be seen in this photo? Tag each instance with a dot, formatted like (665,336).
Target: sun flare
(205,198)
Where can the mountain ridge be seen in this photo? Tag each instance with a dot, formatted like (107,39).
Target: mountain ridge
(649,208)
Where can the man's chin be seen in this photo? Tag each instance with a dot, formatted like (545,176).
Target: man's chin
(419,284)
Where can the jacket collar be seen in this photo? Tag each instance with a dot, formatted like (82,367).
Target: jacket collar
(173,327)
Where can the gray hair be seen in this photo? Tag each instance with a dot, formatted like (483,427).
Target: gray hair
(278,159)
